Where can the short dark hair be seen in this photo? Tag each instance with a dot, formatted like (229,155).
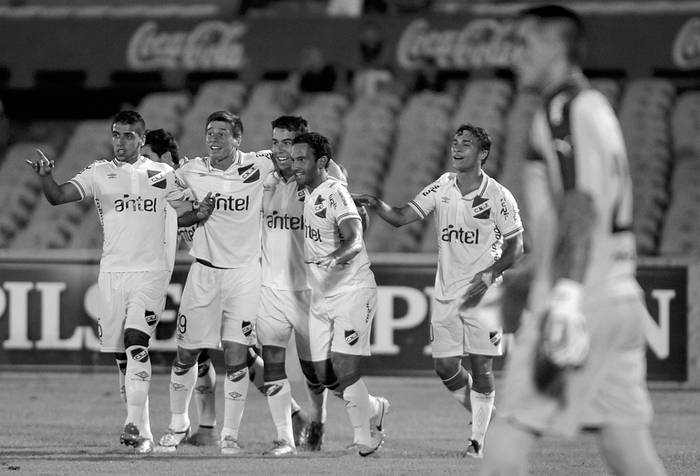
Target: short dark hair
(225,116)
(480,134)
(131,118)
(161,141)
(318,144)
(572,32)
(296,124)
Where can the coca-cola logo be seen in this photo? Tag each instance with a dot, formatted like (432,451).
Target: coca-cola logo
(686,46)
(481,43)
(210,45)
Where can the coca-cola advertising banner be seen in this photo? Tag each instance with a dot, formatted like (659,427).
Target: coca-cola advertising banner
(637,44)
(48,314)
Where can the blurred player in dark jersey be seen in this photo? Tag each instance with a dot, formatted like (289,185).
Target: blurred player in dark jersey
(578,361)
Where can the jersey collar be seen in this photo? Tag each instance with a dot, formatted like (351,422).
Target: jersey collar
(139,161)
(478,192)
(236,161)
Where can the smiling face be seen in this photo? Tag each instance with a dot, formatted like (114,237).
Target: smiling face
(307,169)
(466,152)
(282,150)
(127,140)
(221,143)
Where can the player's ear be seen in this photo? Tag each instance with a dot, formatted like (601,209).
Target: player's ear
(322,162)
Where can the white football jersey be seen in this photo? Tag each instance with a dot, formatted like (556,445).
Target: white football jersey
(577,143)
(230,237)
(283,264)
(470,228)
(131,203)
(324,209)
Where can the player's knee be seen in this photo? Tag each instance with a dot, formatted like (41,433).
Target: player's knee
(273,353)
(446,368)
(344,381)
(274,371)
(326,374)
(134,337)
(312,381)
(237,372)
(181,368)
(483,382)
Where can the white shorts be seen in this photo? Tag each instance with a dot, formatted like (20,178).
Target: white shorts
(477,330)
(129,300)
(282,312)
(218,305)
(609,390)
(342,323)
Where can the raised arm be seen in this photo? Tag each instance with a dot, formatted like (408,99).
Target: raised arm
(393,215)
(56,194)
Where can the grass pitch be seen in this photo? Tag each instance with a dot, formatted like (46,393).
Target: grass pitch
(69,424)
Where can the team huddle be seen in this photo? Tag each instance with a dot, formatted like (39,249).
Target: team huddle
(277,243)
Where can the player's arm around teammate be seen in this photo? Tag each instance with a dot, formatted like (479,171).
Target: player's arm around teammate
(479,237)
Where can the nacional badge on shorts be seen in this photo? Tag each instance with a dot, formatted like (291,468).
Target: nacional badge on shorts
(351,337)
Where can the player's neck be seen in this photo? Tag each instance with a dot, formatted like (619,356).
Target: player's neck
(559,74)
(322,177)
(223,163)
(128,160)
(470,180)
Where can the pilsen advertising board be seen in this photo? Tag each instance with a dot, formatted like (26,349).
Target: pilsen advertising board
(48,315)
(637,44)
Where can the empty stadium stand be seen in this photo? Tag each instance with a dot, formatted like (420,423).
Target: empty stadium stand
(392,146)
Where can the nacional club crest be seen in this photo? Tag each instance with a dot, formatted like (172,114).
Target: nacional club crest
(249,173)
(320,207)
(481,208)
(156,178)
(351,337)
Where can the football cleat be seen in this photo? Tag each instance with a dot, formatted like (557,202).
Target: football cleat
(229,446)
(281,448)
(130,436)
(203,437)
(474,449)
(172,438)
(377,442)
(300,427)
(144,446)
(314,437)
(376,423)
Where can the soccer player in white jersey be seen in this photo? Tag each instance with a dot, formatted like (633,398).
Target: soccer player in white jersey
(480,236)
(343,290)
(220,299)
(130,193)
(582,336)
(284,301)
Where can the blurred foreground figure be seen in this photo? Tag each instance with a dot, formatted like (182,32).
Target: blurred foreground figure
(579,356)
